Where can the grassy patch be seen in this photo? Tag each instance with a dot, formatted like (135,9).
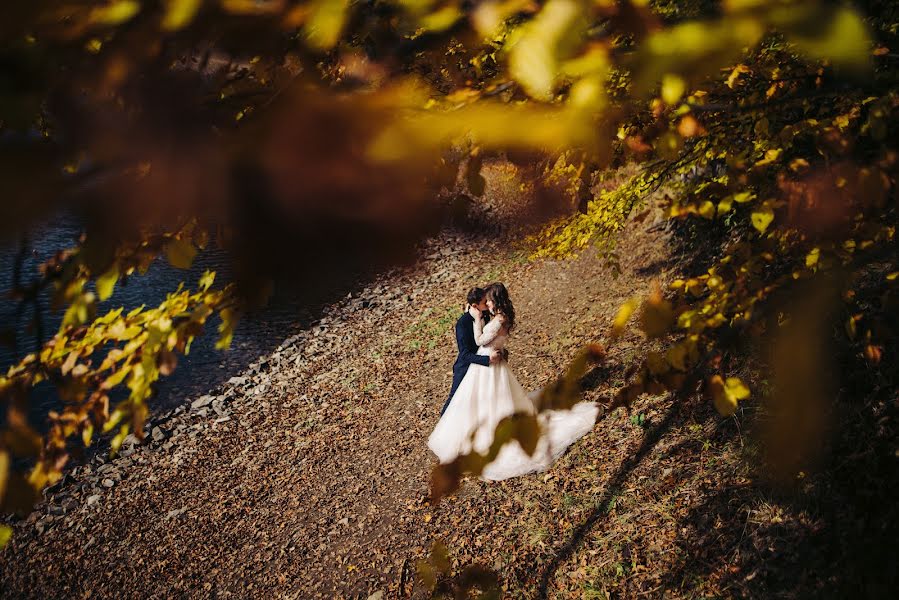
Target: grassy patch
(430,327)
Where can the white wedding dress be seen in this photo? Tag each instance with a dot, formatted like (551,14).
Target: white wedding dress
(489,394)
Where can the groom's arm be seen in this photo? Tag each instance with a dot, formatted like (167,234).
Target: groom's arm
(468,349)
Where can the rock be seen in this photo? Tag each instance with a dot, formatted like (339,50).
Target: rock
(224,419)
(237,381)
(56,510)
(108,482)
(201,402)
(176,514)
(158,434)
(379,595)
(131,440)
(344,521)
(93,499)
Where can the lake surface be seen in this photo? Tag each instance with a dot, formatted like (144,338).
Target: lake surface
(289,310)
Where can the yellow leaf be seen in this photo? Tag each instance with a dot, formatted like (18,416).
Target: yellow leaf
(87,434)
(4,474)
(207,280)
(180,253)
(842,39)
(116,442)
(5,535)
(116,378)
(725,205)
(115,13)
(707,210)
(114,419)
(226,329)
(441,19)
(657,316)
(812,258)
(726,394)
(179,14)
(677,356)
(657,364)
(538,45)
(673,87)
(106,282)
(724,404)
(621,319)
(735,75)
(743,197)
(736,388)
(253,7)
(770,156)
(762,217)
(325,23)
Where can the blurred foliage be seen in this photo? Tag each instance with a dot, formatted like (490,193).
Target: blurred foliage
(774,119)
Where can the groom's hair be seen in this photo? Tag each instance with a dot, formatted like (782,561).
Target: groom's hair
(475,295)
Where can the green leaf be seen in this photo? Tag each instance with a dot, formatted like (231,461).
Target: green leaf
(180,253)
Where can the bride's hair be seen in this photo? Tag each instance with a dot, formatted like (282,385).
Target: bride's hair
(502,305)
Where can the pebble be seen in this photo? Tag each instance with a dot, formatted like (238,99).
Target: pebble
(176,514)
(93,499)
(201,402)
(108,482)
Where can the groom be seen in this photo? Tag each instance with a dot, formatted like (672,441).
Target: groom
(468,349)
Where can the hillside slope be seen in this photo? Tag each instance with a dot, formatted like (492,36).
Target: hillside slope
(307,476)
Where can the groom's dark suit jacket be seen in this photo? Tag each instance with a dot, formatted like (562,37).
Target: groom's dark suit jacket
(468,353)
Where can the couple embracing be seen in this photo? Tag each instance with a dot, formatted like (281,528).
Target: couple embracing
(485,391)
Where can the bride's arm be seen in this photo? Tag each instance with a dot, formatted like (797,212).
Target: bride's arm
(483,335)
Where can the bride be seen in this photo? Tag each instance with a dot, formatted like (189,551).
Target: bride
(489,394)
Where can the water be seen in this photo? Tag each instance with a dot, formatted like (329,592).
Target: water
(204,368)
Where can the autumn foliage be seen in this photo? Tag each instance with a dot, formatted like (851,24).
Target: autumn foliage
(767,126)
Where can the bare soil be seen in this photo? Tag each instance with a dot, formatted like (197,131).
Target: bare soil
(310,479)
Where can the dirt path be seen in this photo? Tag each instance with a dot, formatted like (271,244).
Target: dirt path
(307,476)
